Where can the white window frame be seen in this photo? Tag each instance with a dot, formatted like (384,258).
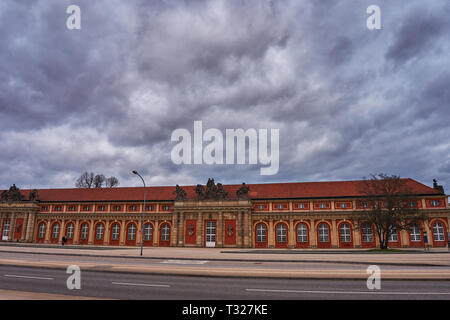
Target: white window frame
(438,231)
(99,235)
(84,231)
(300,206)
(345,232)
(148,232)
(302,233)
(435,203)
(261,233)
(70,231)
(115,232)
(367,236)
(415,233)
(393,235)
(55,230)
(131,236)
(324,233)
(281,233)
(42,229)
(6,228)
(165,232)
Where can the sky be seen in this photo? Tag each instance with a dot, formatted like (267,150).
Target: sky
(347,101)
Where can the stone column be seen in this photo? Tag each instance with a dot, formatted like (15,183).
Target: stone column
(61,231)
(156,239)
(139,234)
(200,230)
(47,231)
(122,233)
(30,228)
(106,234)
(313,235)
(181,230)
(429,234)
(12,225)
(249,229)
(334,234)
(175,223)
(270,239)
(405,238)
(357,236)
(76,232)
(219,231)
(91,232)
(239,233)
(291,233)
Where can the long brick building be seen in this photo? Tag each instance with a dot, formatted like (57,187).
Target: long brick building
(276,215)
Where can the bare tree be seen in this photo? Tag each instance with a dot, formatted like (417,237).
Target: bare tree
(86,180)
(111,182)
(99,179)
(390,206)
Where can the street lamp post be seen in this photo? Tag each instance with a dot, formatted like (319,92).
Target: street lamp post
(143,210)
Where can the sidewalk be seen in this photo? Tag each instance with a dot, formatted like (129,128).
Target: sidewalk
(437,257)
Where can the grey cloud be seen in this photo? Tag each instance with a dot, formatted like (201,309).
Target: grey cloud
(106,98)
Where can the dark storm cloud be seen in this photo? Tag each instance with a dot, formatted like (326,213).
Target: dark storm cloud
(419,33)
(106,98)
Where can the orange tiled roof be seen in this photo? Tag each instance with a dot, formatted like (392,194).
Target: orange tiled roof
(329,189)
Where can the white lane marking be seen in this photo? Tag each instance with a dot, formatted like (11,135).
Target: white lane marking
(141,284)
(348,292)
(185,261)
(27,277)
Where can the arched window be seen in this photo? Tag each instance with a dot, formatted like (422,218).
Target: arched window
(70,231)
(393,237)
(324,234)
(55,231)
(131,232)
(367,233)
(281,233)
(261,233)
(165,232)
(148,231)
(42,230)
(100,231)
(302,233)
(415,233)
(344,232)
(115,232)
(84,231)
(438,231)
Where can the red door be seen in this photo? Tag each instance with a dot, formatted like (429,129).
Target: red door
(230,232)
(18,229)
(190,236)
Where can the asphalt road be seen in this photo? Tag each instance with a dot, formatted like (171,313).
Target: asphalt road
(163,287)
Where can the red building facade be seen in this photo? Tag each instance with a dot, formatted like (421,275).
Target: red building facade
(281,215)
